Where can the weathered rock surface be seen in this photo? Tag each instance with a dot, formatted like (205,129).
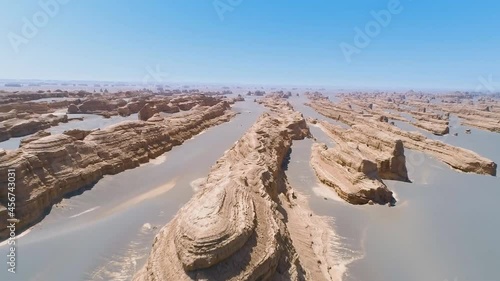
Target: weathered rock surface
(17,127)
(8,115)
(77,134)
(354,177)
(458,158)
(376,146)
(147,112)
(436,127)
(34,137)
(233,229)
(123,111)
(50,167)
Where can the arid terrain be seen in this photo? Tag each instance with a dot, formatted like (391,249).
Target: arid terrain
(245,219)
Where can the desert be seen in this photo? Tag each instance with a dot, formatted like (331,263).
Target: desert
(245,210)
(240,140)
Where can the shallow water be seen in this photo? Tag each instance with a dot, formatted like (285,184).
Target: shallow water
(106,233)
(49,100)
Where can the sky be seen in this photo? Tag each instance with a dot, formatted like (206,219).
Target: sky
(417,44)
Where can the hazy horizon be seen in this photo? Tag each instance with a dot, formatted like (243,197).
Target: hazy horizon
(231,85)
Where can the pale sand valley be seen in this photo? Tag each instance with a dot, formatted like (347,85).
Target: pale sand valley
(251,184)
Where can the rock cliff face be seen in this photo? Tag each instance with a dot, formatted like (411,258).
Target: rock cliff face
(354,177)
(234,228)
(50,167)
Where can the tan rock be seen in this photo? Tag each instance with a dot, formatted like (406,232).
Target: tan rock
(385,150)
(34,137)
(456,157)
(232,229)
(123,111)
(354,178)
(147,112)
(53,166)
(77,134)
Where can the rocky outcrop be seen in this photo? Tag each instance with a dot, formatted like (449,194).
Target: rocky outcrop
(51,167)
(77,134)
(34,137)
(489,122)
(435,128)
(73,109)
(354,177)
(147,112)
(101,106)
(380,148)
(22,127)
(239,98)
(97,106)
(234,228)
(28,107)
(456,157)
(167,107)
(123,111)
(8,115)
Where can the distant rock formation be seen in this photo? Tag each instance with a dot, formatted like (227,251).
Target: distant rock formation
(354,178)
(50,167)
(456,157)
(435,126)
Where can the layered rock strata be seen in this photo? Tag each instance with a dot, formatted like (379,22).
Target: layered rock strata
(235,227)
(51,167)
(354,177)
(436,126)
(376,146)
(109,106)
(17,127)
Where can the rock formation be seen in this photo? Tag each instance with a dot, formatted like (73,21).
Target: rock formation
(50,167)
(377,147)
(77,134)
(435,126)
(234,228)
(354,178)
(34,137)
(19,127)
(147,112)
(456,157)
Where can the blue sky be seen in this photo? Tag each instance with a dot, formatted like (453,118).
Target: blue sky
(440,44)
